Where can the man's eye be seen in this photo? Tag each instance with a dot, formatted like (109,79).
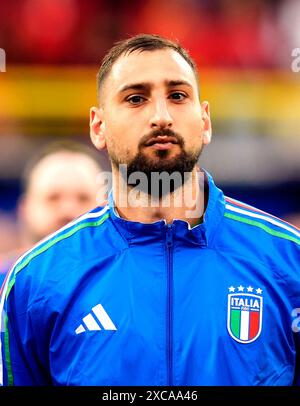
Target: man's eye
(135,99)
(178,96)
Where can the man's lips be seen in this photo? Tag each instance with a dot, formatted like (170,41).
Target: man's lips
(161,140)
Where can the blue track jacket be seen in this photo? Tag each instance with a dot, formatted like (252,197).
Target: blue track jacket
(106,301)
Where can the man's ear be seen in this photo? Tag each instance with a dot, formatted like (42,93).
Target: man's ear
(206,123)
(97,128)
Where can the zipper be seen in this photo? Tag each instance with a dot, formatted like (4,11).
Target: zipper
(169,335)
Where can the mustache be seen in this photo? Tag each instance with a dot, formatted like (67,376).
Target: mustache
(144,141)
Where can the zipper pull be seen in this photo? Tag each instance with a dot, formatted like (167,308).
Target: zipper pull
(169,235)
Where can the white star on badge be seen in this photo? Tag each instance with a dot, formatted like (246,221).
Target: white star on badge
(249,289)
(241,288)
(231,289)
(259,291)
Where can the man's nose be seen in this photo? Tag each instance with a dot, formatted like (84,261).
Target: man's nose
(69,208)
(161,116)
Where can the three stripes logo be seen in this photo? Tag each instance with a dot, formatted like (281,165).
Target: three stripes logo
(96,320)
(244,315)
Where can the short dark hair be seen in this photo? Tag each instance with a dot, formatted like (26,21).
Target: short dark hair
(141,42)
(51,149)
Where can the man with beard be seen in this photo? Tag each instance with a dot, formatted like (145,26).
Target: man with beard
(148,290)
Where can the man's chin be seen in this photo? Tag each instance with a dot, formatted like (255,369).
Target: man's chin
(147,162)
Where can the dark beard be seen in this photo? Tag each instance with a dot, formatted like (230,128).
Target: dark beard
(163,175)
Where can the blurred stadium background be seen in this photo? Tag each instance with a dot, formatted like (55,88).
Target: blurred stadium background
(243,50)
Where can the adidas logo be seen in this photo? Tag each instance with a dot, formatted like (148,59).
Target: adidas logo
(93,321)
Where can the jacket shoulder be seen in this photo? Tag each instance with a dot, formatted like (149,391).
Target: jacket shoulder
(259,236)
(60,248)
(260,224)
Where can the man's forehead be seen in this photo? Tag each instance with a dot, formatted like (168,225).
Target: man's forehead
(62,167)
(147,65)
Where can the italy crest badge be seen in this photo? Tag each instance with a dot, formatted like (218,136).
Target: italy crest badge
(244,315)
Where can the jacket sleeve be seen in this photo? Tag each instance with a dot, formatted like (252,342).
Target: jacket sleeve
(20,363)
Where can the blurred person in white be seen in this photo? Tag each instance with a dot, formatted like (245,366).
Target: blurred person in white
(59,184)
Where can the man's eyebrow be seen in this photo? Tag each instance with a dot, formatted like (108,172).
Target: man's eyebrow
(174,83)
(135,86)
(146,86)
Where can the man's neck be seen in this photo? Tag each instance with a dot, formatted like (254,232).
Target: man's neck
(187,202)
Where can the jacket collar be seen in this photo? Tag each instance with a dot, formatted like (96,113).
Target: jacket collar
(202,234)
